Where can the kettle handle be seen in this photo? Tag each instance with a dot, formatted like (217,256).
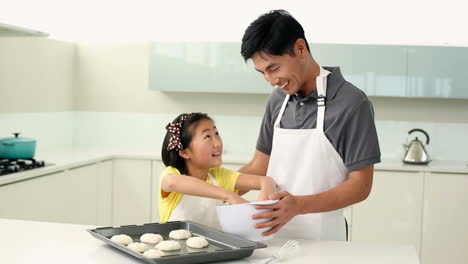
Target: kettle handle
(422,131)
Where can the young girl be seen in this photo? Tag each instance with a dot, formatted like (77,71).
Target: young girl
(193,183)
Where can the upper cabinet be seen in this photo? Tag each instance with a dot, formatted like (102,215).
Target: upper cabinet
(437,72)
(379,70)
(202,67)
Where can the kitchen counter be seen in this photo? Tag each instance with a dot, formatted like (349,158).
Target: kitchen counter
(67,159)
(41,242)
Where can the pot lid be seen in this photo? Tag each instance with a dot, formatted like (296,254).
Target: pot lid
(16,139)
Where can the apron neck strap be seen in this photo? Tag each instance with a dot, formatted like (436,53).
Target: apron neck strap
(213,179)
(321,86)
(283,106)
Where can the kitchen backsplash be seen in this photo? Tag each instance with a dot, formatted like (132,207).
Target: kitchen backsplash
(122,131)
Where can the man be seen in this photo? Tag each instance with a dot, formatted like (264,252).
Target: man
(317,139)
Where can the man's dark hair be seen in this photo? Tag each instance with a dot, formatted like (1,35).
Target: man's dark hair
(274,33)
(172,157)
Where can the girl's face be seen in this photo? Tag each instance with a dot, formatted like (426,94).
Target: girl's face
(206,148)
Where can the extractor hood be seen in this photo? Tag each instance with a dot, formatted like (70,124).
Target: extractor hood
(14,31)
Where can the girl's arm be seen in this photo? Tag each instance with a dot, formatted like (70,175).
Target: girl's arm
(194,186)
(265,184)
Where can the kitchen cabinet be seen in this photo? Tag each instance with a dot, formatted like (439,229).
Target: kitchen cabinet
(378,70)
(214,67)
(444,229)
(438,72)
(67,196)
(393,211)
(157,167)
(104,193)
(131,203)
(33,199)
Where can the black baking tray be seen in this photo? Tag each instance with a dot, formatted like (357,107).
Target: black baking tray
(223,246)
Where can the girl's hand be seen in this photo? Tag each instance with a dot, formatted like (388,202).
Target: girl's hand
(268,186)
(236,199)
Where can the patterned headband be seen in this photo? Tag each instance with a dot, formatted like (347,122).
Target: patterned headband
(174,129)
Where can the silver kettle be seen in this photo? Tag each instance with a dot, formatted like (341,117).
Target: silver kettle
(416,153)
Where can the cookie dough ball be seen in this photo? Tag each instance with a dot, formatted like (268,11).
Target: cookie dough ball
(151,238)
(197,242)
(122,239)
(168,245)
(138,247)
(153,253)
(180,234)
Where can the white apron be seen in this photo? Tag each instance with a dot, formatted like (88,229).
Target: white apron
(304,162)
(198,209)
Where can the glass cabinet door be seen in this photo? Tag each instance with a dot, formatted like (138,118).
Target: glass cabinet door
(376,69)
(440,72)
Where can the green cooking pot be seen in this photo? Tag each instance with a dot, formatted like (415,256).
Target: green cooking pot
(17,147)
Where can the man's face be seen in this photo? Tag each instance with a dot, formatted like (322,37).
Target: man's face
(285,70)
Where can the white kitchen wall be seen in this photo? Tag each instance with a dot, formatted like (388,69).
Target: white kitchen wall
(123,131)
(417,22)
(36,75)
(144,133)
(52,130)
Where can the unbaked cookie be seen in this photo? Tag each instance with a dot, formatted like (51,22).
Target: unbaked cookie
(197,242)
(138,247)
(180,234)
(168,245)
(122,239)
(153,253)
(151,238)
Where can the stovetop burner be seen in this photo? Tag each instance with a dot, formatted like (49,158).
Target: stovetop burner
(8,166)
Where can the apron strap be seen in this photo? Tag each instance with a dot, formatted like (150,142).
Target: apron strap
(278,119)
(213,180)
(321,85)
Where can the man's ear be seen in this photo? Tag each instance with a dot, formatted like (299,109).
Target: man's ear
(184,153)
(300,47)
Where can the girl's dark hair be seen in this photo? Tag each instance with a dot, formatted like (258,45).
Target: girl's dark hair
(275,33)
(172,157)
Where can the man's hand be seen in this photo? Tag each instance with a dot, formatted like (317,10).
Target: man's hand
(284,210)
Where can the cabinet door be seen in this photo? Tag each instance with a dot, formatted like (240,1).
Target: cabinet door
(104,193)
(378,70)
(206,67)
(131,192)
(65,197)
(78,203)
(437,72)
(393,211)
(34,199)
(158,167)
(445,232)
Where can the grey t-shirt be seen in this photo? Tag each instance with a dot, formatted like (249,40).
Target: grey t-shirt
(348,125)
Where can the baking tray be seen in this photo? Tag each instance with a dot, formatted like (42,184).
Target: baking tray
(223,246)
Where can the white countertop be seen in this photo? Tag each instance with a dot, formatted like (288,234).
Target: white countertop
(66,159)
(40,242)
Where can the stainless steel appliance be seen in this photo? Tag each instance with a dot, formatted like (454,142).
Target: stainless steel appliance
(416,153)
